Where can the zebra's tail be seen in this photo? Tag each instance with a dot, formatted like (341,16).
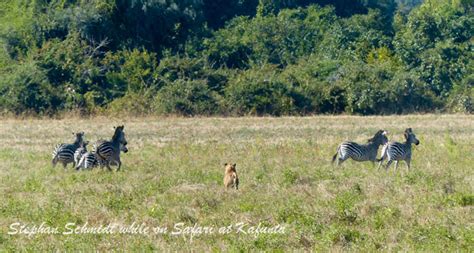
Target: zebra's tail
(335,155)
(55,155)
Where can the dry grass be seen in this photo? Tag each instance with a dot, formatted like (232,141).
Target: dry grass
(173,173)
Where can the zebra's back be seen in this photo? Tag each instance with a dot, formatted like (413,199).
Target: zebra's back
(349,149)
(396,151)
(88,161)
(105,149)
(64,153)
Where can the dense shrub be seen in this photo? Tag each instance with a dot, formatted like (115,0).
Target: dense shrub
(132,71)
(314,79)
(26,89)
(133,103)
(186,97)
(462,96)
(259,91)
(236,57)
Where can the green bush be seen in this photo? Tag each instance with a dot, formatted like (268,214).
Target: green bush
(312,78)
(283,58)
(462,96)
(25,88)
(259,91)
(131,70)
(186,97)
(172,68)
(132,104)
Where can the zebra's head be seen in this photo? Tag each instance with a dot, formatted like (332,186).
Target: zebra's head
(123,148)
(119,136)
(411,137)
(84,144)
(380,138)
(79,138)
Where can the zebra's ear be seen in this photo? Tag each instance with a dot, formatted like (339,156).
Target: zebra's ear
(384,132)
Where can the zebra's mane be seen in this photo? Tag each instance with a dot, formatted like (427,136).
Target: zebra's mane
(117,133)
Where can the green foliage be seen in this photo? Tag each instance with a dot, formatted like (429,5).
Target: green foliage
(383,88)
(314,78)
(135,71)
(244,56)
(462,96)
(280,39)
(436,42)
(261,92)
(186,97)
(27,89)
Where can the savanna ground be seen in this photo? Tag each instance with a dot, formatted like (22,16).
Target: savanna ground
(173,173)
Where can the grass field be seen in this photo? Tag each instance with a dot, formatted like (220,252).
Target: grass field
(173,173)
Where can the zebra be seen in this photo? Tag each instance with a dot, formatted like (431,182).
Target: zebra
(109,151)
(88,160)
(80,151)
(64,153)
(361,152)
(91,160)
(396,151)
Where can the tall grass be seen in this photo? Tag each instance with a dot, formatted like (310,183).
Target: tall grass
(173,173)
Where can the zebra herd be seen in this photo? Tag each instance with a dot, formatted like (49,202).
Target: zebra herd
(105,153)
(391,151)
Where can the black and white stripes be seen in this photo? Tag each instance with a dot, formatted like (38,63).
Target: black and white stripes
(105,153)
(109,151)
(91,160)
(80,151)
(360,152)
(396,151)
(64,153)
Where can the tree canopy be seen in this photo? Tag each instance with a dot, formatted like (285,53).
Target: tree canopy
(236,57)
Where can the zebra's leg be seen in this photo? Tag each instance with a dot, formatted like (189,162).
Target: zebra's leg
(107,164)
(408,163)
(396,165)
(64,165)
(119,165)
(54,161)
(380,163)
(340,160)
(388,164)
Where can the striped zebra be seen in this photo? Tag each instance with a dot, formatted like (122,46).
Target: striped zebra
(80,151)
(396,151)
(109,151)
(361,152)
(64,153)
(91,160)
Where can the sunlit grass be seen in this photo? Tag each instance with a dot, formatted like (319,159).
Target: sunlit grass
(173,173)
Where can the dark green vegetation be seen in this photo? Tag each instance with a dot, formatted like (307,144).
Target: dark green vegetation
(236,57)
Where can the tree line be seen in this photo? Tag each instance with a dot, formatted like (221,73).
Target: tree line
(236,57)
